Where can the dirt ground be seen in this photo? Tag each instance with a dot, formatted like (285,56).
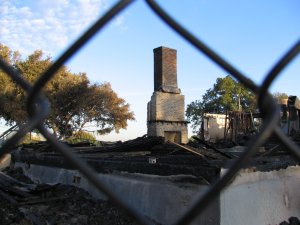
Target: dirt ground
(60,205)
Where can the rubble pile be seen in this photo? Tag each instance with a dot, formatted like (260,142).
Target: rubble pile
(28,203)
(25,203)
(292,221)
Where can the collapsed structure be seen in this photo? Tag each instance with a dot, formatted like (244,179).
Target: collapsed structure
(234,125)
(161,179)
(165,115)
(290,115)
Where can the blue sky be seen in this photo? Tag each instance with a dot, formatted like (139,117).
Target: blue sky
(252,35)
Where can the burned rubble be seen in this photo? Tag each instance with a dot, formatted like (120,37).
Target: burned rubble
(155,155)
(26,203)
(163,154)
(292,221)
(32,203)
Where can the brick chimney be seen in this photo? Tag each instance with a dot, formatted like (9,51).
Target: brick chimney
(165,70)
(166,108)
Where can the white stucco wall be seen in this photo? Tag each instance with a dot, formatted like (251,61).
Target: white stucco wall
(265,198)
(214,126)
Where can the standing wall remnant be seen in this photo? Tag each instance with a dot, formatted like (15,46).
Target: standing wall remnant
(166,109)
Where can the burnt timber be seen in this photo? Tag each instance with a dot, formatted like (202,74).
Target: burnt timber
(154,156)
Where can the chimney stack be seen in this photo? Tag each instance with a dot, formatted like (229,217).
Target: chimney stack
(165,70)
(166,108)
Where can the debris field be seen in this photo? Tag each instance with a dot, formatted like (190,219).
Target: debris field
(28,203)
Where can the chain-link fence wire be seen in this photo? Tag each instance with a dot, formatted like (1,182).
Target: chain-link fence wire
(38,108)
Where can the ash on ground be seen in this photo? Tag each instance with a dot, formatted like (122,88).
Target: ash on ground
(55,205)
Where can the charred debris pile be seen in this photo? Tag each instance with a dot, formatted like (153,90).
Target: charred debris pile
(155,155)
(26,203)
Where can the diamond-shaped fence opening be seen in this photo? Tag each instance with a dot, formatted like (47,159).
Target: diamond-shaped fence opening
(37,107)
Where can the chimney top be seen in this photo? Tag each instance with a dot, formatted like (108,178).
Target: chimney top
(165,70)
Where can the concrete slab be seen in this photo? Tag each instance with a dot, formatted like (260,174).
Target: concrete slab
(160,198)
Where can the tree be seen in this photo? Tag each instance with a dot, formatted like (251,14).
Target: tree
(226,95)
(278,96)
(7,87)
(74,101)
(81,136)
(283,98)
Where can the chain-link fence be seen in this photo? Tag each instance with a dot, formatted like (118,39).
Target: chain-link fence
(38,109)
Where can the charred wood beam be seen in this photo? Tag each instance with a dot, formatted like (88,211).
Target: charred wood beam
(212,147)
(165,165)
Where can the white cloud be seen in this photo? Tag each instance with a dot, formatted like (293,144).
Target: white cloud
(119,22)
(47,25)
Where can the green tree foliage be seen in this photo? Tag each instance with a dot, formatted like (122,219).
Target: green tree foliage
(81,136)
(74,101)
(8,89)
(226,95)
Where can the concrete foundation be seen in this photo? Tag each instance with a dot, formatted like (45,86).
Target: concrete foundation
(253,197)
(162,199)
(261,197)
